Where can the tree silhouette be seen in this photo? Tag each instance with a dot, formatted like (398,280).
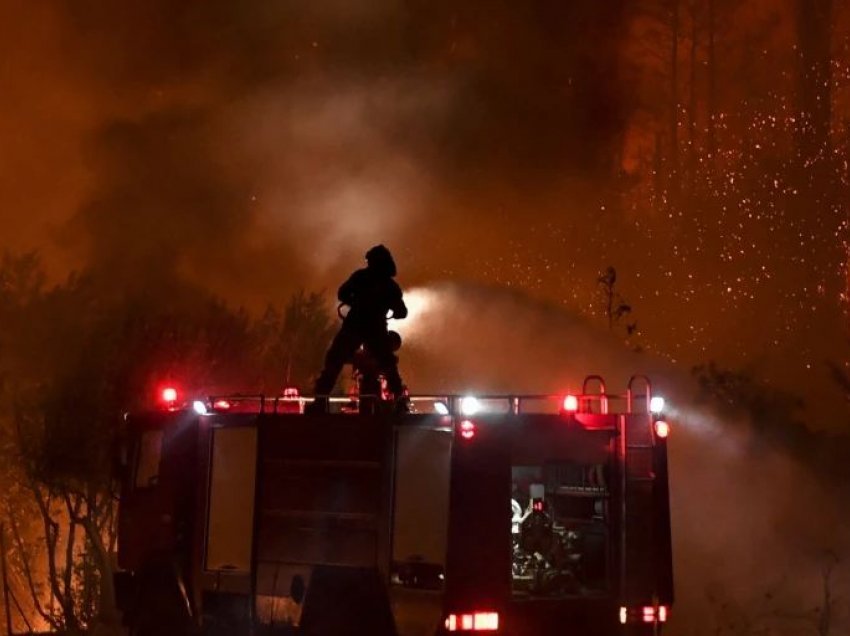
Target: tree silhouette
(74,358)
(615,307)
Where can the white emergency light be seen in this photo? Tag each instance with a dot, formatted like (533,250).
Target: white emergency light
(441,408)
(470,405)
(199,407)
(656,404)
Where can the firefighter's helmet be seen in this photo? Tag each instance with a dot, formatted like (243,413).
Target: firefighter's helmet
(380,259)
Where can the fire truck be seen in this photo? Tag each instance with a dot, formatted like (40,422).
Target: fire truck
(497,514)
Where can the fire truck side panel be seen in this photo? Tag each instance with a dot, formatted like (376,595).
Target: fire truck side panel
(225,498)
(322,521)
(478,559)
(420,524)
(158,492)
(321,491)
(231,498)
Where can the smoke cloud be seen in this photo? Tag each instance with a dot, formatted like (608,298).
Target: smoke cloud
(256,147)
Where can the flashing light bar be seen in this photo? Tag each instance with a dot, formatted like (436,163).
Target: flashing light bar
(662,429)
(473,622)
(645,614)
(467,429)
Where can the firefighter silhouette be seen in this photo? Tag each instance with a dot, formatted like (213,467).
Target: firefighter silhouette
(371,294)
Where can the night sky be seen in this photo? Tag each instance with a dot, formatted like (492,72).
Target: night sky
(507,152)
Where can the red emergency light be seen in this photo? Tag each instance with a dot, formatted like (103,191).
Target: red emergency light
(467,430)
(645,614)
(570,404)
(655,614)
(221,405)
(167,397)
(473,622)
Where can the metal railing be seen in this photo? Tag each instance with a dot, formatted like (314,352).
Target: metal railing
(600,402)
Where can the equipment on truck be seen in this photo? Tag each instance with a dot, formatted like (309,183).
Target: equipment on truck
(243,515)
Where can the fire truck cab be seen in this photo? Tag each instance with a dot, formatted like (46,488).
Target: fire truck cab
(496,514)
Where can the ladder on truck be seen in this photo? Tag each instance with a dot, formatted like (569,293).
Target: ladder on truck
(637,527)
(642,527)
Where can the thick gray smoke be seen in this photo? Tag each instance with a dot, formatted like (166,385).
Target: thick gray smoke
(753,529)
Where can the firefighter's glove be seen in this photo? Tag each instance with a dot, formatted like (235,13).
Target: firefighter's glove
(400,312)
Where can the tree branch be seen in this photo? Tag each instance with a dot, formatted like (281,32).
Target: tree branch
(51,532)
(73,508)
(27,571)
(106,605)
